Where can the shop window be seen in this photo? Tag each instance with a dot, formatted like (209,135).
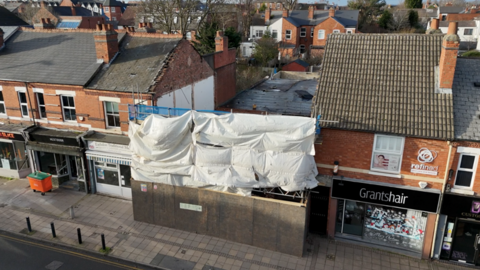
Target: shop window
(274,33)
(2,103)
(321,34)
(55,164)
(303,32)
(468,32)
(466,171)
(68,105)
(22,98)
(387,153)
(41,106)
(288,34)
(106,175)
(112,114)
(13,156)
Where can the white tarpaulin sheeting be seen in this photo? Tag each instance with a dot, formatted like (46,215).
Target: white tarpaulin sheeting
(234,152)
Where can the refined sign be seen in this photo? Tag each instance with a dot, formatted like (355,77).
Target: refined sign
(461,206)
(425,156)
(385,195)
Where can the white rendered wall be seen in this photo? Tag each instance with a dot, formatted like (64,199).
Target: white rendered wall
(204,94)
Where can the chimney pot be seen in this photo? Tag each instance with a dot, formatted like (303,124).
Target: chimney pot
(310,12)
(331,12)
(99,27)
(434,24)
(48,21)
(267,15)
(452,28)
(150,25)
(43,20)
(285,13)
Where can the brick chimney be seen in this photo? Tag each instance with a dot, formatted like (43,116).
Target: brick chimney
(310,12)
(285,13)
(221,42)
(44,24)
(2,42)
(434,24)
(106,42)
(331,12)
(448,56)
(74,12)
(267,15)
(42,4)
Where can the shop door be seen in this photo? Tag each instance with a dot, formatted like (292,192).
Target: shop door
(319,210)
(466,242)
(107,177)
(353,216)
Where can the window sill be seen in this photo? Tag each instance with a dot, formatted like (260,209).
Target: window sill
(462,191)
(385,174)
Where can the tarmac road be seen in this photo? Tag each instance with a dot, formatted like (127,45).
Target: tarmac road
(18,253)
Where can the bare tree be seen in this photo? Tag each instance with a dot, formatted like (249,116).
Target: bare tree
(225,15)
(289,4)
(399,20)
(247,10)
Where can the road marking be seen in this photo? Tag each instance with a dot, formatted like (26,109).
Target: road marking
(54,265)
(70,252)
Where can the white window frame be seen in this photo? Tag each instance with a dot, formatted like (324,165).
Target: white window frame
(300,49)
(311,32)
(114,18)
(288,34)
(278,5)
(274,33)
(349,32)
(336,31)
(387,152)
(40,106)
(258,33)
(303,31)
(106,116)
(23,104)
(322,32)
(107,9)
(470,29)
(112,10)
(68,107)
(473,170)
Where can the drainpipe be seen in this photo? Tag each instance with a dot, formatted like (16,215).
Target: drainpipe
(441,195)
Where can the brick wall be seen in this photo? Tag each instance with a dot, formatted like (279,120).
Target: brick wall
(117,14)
(91,22)
(354,150)
(184,67)
(328,25)
(286,25)
(293,66)
(225,83)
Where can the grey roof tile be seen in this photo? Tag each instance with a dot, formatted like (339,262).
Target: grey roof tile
(384,83)
(56,57)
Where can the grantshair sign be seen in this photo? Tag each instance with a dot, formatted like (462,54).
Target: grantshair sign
(386,194)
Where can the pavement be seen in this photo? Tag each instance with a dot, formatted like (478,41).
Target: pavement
(167,248)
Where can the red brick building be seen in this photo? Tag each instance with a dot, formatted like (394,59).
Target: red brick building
(80,82)
(385,146)
(296,65)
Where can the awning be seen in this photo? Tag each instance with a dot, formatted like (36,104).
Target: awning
(55,148)
(109,158)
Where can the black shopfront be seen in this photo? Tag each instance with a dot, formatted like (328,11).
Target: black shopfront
(382,214)
(461,233)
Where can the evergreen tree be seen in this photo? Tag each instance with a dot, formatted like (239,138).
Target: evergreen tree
(413,18)
(413,3)
(368,10)
(385,20)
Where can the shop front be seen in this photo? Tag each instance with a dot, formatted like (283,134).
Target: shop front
(13,155)
(381,214)
(109,164)
(461,232)
(59,153)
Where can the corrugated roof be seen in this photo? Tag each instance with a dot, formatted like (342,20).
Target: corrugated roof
(139,62)
(466,100)
(49,57)
(384,83)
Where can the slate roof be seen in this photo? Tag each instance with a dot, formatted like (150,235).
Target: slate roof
(138,64)
(112,3)
(7,18)
(277,96)
(384,83)
(128,16)
(466,100)
(56,57)
(444,10)
(301,62)
(460,24)
(67,11)
(347,18)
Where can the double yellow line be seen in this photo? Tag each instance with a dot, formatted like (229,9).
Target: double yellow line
(92,258)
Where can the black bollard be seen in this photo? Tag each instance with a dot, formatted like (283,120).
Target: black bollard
(103,242)
(79,233)
(28,225)
(53,229)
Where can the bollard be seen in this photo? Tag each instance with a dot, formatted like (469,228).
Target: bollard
(79,233)
(72,214)
(103,242)
(53,229)
(28,225)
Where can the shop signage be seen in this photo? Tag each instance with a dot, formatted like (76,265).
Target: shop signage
(54,139)
(108,147)
(192,207)
(425,156)
(385,195)
(11,136)
(461,206)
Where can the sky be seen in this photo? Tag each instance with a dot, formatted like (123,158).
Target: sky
(344,2)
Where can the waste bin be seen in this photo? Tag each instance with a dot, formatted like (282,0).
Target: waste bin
(40,181)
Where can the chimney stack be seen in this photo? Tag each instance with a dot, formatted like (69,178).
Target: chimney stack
(2,42)
(44,24)
(267,15)
(434,24)
(221,42)
(106,42)
(331,12)
(42,4)
(310,12)
(285,13)
(448,56)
